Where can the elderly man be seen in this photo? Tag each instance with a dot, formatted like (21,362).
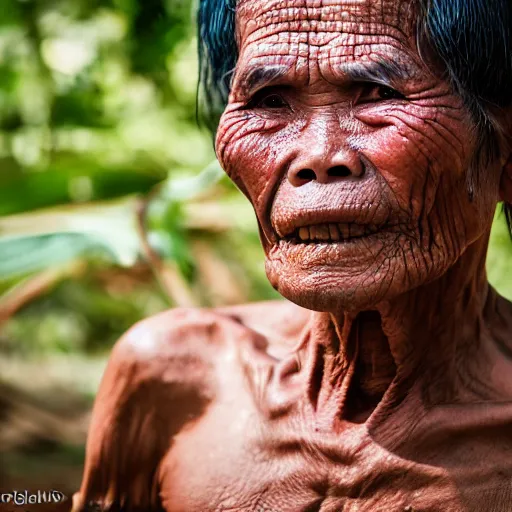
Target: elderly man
(373,139)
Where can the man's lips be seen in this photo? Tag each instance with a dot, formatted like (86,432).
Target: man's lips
(350,222)
(331,233)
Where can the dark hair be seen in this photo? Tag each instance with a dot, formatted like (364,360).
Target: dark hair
(218,54)
(471,38)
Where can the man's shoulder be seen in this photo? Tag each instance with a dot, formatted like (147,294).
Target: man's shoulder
(193,336)
(158,379)
(179,354)
(162,375)
(279,316)
(168,335)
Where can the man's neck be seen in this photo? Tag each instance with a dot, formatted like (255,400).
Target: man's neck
(435,333)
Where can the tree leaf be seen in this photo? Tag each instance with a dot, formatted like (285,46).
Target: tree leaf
(189,188)
(35,241)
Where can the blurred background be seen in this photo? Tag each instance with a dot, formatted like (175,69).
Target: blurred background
(112,209)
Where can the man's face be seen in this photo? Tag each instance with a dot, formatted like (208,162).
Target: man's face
(353,154)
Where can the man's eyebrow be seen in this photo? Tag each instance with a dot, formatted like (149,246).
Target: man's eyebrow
(257,77)
(383,71)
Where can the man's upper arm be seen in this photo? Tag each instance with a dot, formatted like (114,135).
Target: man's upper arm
(158,379)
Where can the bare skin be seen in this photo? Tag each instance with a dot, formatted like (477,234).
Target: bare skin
(388,386)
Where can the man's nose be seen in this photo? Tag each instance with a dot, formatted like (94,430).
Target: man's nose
(325,167)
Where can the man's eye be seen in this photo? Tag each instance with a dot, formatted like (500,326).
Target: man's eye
(387,93)
(273,101)
(372,92)
(267,100)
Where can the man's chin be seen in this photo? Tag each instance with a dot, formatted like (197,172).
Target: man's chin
(327,289)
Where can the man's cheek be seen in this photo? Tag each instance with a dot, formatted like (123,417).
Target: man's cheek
(403,166)
(251,164)
(416,163)
(237,126)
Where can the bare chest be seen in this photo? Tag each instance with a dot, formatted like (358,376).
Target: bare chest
(239,457)
(239,463)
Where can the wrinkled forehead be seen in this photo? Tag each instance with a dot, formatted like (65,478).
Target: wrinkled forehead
(318,23)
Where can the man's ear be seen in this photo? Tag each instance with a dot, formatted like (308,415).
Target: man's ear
(506,182)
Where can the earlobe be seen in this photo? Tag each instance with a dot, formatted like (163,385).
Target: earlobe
(506,182)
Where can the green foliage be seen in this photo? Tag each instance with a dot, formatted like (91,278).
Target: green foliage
(97,114)
(499,263)
(78,316)
(40,240)
(37,241)
(96,100)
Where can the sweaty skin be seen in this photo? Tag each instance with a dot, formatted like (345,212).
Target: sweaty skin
(384,383)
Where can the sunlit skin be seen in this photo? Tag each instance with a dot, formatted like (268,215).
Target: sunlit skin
(384,382)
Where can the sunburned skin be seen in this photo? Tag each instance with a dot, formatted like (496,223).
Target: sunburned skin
(387,384)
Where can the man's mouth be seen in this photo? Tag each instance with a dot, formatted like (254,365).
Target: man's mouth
(331,233)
